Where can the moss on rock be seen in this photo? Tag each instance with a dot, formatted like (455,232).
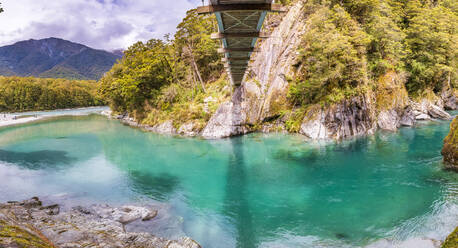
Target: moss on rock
(452,240)
(450,149)
(18,236)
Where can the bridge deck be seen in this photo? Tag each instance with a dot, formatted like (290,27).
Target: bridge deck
(239,25)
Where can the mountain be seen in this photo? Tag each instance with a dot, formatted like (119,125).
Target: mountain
(55,58)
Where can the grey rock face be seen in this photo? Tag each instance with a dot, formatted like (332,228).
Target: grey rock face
(234,117)
(408,118)
(436,112)
(350,118)
(187,129)
(388,120)
(426,110)
(164,128)
(98,226)
(450,100)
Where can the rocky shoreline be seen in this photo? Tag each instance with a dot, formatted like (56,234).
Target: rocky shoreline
(352,118)
(31,224)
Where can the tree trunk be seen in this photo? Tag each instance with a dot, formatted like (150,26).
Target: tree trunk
(196,68)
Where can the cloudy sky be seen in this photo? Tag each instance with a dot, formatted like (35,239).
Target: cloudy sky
(102,24)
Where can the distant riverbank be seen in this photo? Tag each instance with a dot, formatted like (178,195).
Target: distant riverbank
(9,119)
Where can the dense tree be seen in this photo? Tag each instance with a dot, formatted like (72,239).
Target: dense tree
(153,74)
(24,94)
(431,43)
(332,57)
(138,77)
(350,42)
(195,47)
(1,9)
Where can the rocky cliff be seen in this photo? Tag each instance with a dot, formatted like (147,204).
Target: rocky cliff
(261,103)
(450,150)
(258,104)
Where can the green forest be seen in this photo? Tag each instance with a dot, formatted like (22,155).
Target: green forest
(19,94)
(351,44)
(170,77)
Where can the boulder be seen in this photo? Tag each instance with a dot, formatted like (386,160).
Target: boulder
(423,117)
(164,128)
(408,118)
(436,112)
(388,120)
(188,129)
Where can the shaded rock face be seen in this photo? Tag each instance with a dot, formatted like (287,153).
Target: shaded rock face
(449,99)
(350,118)
(450,149)
(256,99)
(95,226)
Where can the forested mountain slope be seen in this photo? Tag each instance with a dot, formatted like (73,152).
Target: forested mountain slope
(55,58)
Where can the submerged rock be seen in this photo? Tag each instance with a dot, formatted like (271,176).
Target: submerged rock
(450,149)
(95,226)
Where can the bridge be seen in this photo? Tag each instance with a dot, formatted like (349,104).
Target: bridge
(239,26)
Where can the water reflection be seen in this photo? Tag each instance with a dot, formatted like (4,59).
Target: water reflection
(160,186)
(236,203)
(36,160)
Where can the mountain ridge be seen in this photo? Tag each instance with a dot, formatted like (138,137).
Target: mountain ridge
(55,58)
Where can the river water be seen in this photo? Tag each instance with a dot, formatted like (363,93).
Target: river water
(258,190)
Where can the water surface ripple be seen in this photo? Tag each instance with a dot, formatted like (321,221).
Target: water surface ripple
(253,191)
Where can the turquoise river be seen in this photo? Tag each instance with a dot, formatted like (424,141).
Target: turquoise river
(258,190)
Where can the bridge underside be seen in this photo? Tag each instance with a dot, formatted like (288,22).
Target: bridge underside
(239,25)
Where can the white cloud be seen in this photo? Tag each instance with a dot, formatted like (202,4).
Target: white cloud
(103,24)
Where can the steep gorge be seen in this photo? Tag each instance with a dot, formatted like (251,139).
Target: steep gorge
(261,103)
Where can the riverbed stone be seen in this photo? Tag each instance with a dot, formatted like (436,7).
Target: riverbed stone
(98,226)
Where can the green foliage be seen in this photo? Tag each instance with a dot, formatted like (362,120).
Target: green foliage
(431,44)
(193,42)
(332,57)
(138,76)
(26,94)
(163,80)
(351,44)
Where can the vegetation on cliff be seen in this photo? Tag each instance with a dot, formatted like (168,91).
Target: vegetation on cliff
(450,149)
(391,49)
(350,45)
(24,94)
(169,80)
